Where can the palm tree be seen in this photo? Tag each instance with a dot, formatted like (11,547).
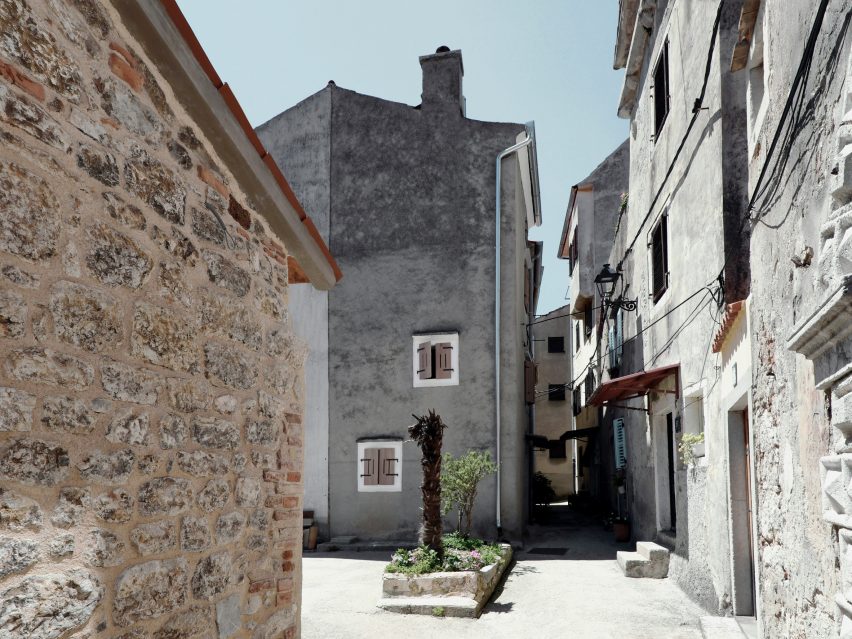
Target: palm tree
(428,432)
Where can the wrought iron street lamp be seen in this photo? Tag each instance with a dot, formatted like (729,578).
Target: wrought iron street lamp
(606,282)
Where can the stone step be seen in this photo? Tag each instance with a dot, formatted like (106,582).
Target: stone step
(633,564)
(651,551)
(435,606)
(721,628)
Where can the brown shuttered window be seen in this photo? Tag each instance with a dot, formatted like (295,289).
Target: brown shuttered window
(370,466)
(443,360)
(387,466)
(661,90)
(424,361)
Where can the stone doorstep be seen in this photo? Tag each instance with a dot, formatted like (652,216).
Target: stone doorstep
(651,561)
(721,628)
(460,594)
(364,546)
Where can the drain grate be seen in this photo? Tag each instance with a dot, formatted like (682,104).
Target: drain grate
(547,551)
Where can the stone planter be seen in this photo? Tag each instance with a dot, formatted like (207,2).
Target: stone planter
(444,594)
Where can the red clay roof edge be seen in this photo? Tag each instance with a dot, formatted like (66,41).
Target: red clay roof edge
(732,310)
(180,22)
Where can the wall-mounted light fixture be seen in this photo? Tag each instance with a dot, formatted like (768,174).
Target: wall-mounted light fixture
(606,282)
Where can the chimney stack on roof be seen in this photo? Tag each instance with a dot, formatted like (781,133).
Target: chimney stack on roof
(442,81)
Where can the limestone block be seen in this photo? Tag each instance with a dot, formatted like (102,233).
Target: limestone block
(150,590)
(16,410)
(195,534)
(272,303)
(188,394)
(47,606)
(26,115)
(107,468)
(176,244)
(13,314)
(212,576)
(230,526)
(173,431)
(124,213)
(164,338)
(149,464)
(61,546)
(165,496)
(282,378)
(44,366)
(228,617)
(236,322)
(179,153)
(213,432)
(263,432)
(119,102)
(103,548)
(130,427)
(73,504)
(193,623)
(115,506)
(130,384)
(34,48)
(259,519)
(247,492)
(202,464)
(85,317)
(99,165)
(270,406)
(230,367)
(280,342)
(69,415)
(19,513)
(154,538)
(155,184)
(16,555)
(214,495)
(207,227)
(222,272)
(33,462)
(226,404)
(115,259)
(173,283)
(19,277)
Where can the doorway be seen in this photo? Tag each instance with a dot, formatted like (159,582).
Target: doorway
(742,555)
(665,466)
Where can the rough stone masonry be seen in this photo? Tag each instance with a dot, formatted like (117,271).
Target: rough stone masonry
(150,388)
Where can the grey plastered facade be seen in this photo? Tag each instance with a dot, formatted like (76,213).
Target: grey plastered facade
(409,197)
(699,190)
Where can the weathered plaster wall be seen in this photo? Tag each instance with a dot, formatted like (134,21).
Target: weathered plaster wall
(798,554)
(150,388)
(669,332)
(412,226)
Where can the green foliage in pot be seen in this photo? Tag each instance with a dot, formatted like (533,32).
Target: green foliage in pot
(687,454)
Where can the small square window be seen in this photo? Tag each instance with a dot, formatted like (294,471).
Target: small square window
(556,344)
(435,359)
(556,449)
(659,259)
(556,392)
(379,466)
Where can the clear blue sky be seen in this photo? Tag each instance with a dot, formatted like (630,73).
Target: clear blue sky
(544,60)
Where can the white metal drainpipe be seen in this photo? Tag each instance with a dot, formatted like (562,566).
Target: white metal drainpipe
(506,152)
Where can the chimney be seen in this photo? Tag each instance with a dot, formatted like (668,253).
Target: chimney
(442,81)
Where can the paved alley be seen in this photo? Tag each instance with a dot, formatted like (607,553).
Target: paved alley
(579,594)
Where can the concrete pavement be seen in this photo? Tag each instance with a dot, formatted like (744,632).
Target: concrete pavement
(579,594)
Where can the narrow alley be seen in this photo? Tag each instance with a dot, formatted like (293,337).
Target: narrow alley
(580,593)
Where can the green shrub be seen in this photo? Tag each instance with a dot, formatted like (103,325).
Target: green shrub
(459,480)
(460,553)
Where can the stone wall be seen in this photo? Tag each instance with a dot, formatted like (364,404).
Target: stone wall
(150,389)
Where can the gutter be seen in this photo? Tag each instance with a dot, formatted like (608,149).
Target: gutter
(527,141)
(168,40)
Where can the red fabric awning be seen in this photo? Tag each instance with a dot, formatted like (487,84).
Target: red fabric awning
(630,386)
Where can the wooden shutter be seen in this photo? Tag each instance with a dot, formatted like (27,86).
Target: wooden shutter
(443,360)
(424,360)
(530,379)
(660,258)
(370,466)
(620,440)
(387,466)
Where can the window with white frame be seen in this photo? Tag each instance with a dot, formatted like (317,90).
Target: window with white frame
(379,466)
(435,359)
